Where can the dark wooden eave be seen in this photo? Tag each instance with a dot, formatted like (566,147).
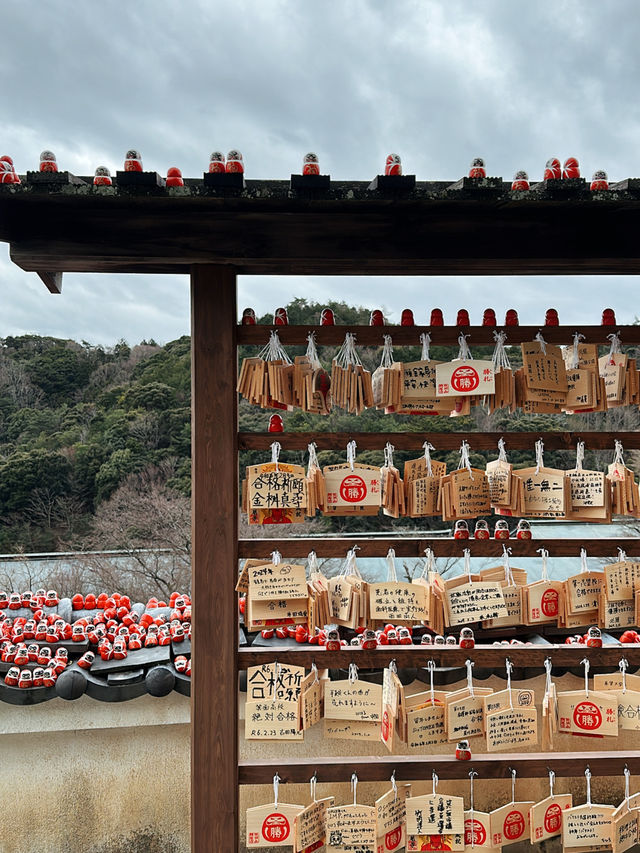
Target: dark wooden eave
(349,230)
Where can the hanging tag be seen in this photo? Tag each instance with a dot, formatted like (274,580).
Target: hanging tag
(545,817)
(351,827)
(391,811)
(309,825)
(589,824)
(477,825)
(465,375)
(510,823)
(435,814)
(543,364)
(272,825)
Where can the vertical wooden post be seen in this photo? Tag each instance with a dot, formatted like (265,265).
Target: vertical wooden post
(214,712)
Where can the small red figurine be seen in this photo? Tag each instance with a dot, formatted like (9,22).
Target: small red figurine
(234,161)
(368,639)
(489,317)
(44,656)
(450,640)
(77,602)
(463,318)
(571,168)
(501,530)
(180,663)
(461,530)
(594,638)
(438,640)
(4,600)
(477,169)
(38,677)
(551,317)
(523,530)
(404,637)
(436,317)
(133,161)
(482,530)
(511,318)
(48,162)
(86,660)
(376,318)
(333,640)
(467,640)
(275,424)
(393,166)
(520,181)
(90,602)
(311,164)
(599,181)
(15,602)
(7,172)
(49,677)
(426,640)
(12,676)
(463,753)
(26,679)
(174,177)
(248,317)
(552,170)
(281,318)
(407,317)
(327,317)
(52,599)
(608,317)
(102,177)
(216,162)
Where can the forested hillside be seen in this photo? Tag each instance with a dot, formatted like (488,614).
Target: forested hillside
(95,442)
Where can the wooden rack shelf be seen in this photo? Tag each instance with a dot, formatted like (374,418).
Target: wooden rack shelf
(415,546)
(373,768)
(440,335)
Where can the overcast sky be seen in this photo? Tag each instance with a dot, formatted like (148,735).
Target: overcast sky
(438,81)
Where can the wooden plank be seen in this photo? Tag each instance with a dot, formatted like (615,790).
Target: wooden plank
(486,656)
(214,722)
(414,546)
(440,335)
(533,765)
(52,281)
(440,440)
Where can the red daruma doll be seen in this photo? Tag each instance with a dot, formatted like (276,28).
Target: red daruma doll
(552,170)
(133,161)
(599,181)
(310,164)
(461,530)
(501,530)
(594,638)
(216,162)
(482,530)
(102,177)
(467,640)
(48,162)
(407,317)
(523,530)
(520,181)
(571,168)
(463,752)
(174,177)
(477,169)
(393,166)
(248,317)
(234,161)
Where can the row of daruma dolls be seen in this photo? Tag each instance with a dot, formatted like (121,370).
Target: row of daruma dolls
(328,317)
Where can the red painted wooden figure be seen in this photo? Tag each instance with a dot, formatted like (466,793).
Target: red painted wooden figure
(552,169)
(180,663)
(594,638)
(77,602)
(393,166)
(489,317)
(392,637)
(248,317)
(333,640)
(86,660)
(311,164)
(404,637)
(599,181)
(501,530)
(234,161)
(437,318)
(407,317)
(426,640)
(368,639)
(467,640)
(608,317)
(12,676)
(551,317)
(281,632)
(450,640)
(275,424)
(571,168)
(482,530)
(376,318)
(216,162)
(21,656)
(52,598)
(281,318)
(26,679)
(4,600)
(523,530)
(461,530)
(32,652)
(90,601)
(38,677)
(520,181)
(477,169)
(133,161)
(511,318)
(174,177)
(463,752)
(463,318)
(7,172)
(44,656)
(102,177)
(327,317)
(48,162)
(438,640)
(15,602)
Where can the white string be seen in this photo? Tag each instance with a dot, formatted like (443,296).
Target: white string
(587,776)
(427,457)
(467,563)
(615,346)
(388,455)
(469,665)
(552,777)
(500,360)
(353,673)
(539,455)
(508,576)
(276,676)
(627,777)
(391,566)
(509,668)
(429,563)
(513,786)
(354,788)
(548,683)
(312,352)
(351,453)
(472,773)
(575,358)
(394,787)
(579,455)
(314,670)
(465,462)
(425,340)
(276,558)
(464,353)
(434,779)
(313,456)
(393,666)
(584,566)
(350,566)
(312,785)
(542,342)
(623,666)
(618,458)
(387,352)
(502,451)
(622,556)
(587,667)
(273,350)
(347,354)
(275,453)
(544,555)
(431,668)
(276,785)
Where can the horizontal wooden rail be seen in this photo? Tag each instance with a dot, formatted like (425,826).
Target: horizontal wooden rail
(440,440)
(440,335)
(374,768)
(490,657)
(408,546)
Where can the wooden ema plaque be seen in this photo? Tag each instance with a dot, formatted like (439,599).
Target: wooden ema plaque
(391,814)
(587,825)
(271,825)
(588,714)
(510,823)
(545,817)
(435,814)
(309,826)
(625,827)
(477,831)
(351,828)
